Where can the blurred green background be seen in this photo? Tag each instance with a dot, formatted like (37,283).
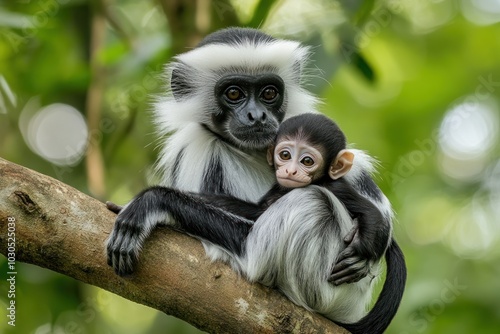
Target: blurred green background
(415,83)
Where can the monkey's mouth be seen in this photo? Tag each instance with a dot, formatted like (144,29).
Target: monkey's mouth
(291,183)
(254,137)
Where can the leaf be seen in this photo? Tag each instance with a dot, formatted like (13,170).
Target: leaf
(352,56)
(358,11)
(363,13)
(261,13)
(362,65)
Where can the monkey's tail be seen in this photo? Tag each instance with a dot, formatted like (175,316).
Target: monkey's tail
(380,316)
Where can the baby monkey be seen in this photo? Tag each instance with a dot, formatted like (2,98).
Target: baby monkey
(293,247)
(311,149)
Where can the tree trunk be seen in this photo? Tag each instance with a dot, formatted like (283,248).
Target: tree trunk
(60,228)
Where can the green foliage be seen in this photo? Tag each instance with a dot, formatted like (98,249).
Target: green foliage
(391,73)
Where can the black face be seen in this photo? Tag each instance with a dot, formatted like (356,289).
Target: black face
(251,108)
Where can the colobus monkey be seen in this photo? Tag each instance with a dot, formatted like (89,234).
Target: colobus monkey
(225,101)
(293,249)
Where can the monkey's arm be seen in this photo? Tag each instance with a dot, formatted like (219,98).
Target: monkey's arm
(231,204)
(187,212)
(236,206)
(243,208)
(367,241)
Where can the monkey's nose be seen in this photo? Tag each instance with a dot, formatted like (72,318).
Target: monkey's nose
(291,173)
(256,117)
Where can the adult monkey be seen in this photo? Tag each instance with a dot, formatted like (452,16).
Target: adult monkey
(227,98)
(292,250)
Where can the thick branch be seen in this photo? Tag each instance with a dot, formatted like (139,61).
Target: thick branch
(59,228)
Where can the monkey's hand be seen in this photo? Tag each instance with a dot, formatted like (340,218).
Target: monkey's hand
(351,265)
(132,226)
(113,207)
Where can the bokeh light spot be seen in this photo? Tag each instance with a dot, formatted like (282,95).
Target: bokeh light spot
(467,135)
(58,133)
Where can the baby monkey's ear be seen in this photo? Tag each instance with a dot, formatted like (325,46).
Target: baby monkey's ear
(270,155)
(341,165)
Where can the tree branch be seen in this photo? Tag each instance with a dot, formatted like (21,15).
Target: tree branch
(60,228)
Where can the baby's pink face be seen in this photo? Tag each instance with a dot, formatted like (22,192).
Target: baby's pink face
(297,163)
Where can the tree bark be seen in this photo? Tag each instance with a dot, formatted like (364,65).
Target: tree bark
(60,228)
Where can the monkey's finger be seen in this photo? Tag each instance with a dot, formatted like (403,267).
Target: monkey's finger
(352,263)
(348,273)
(119,239)
(113,243)
(346,264)
(114,255)
(125,265)
(126,253)
(352,278)
(345,254)
(350,235)
(113,207)
(109,249)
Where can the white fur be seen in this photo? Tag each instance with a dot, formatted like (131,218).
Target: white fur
(294,249)
(281,54)
(365,163)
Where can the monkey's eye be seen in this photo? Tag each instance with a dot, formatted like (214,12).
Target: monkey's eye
(269,94)
(307,161)
(285,155)
(233,94)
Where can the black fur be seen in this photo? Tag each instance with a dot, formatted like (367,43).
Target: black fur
(319,130)
(373,229)
(387,304)
(179,81)
(176,166)
(368,187)
(191,213)
(235,35)
(213,180)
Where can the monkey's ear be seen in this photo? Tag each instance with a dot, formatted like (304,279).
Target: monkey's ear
(270,155)
(341,165)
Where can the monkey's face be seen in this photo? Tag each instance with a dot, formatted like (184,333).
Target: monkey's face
(297,163)
(250,108)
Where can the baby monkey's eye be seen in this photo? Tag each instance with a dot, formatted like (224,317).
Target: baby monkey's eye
(307,161)
(285,155)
